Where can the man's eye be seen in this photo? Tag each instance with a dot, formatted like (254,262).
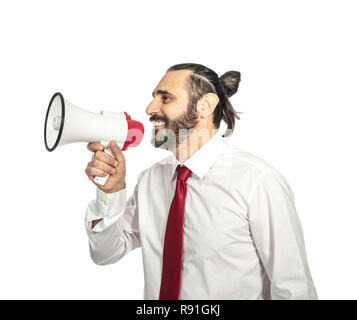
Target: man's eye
(164,98)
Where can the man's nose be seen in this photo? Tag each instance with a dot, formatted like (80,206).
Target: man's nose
(152,108)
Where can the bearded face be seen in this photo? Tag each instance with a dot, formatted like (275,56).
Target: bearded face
(173,110)
(169,133)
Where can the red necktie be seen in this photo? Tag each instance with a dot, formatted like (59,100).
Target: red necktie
(172,256)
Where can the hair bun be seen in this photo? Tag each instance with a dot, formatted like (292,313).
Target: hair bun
(230,81)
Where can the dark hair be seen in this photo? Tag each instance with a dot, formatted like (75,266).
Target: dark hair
(203,80)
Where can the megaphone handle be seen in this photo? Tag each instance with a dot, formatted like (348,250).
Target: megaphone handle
(102,180)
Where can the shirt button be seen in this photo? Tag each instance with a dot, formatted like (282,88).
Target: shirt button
(105,203)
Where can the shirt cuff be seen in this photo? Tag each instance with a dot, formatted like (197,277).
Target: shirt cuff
(107,206)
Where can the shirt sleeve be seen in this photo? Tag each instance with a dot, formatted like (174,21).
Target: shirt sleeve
(278,237)
(118,232)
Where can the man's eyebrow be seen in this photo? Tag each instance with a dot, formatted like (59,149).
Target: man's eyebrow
(162,92)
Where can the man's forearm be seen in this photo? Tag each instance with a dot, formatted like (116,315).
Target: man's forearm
(118,188)
(94,222)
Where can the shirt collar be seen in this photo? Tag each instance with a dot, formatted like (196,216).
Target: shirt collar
(201,160)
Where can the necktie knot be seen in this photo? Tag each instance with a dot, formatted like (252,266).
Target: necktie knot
(183,173)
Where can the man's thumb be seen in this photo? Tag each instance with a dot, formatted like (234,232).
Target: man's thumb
(118,154)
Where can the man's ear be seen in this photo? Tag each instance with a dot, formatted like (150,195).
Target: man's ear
(207,104)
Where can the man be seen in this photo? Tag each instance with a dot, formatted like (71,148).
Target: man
(213,221)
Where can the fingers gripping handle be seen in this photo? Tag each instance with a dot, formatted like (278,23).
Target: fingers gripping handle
(102,180)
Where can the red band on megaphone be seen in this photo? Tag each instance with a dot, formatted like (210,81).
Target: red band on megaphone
(135,133)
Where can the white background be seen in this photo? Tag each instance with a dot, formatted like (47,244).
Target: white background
(298,95)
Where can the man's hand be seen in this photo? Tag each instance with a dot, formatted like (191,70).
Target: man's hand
(103,163)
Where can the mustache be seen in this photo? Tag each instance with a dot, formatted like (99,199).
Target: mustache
(158,118)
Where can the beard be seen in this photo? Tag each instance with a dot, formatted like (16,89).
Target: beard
(176,130)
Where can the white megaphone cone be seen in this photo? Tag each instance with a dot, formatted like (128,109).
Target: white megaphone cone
(66,123)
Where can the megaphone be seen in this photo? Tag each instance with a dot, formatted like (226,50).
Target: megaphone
(66,123)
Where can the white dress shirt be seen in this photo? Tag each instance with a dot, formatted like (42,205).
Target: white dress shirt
(242,235)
